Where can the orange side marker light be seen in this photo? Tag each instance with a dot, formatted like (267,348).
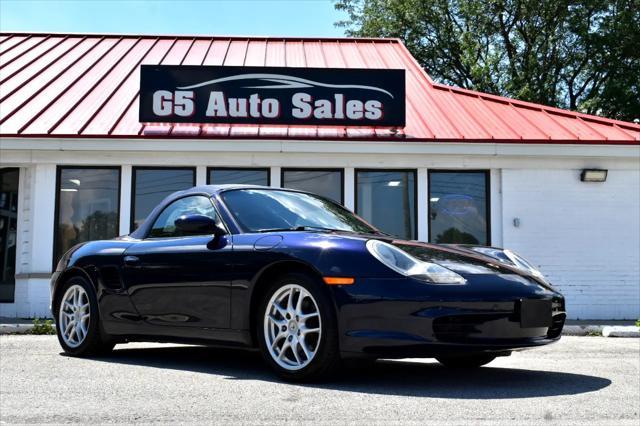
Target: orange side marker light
(339,280)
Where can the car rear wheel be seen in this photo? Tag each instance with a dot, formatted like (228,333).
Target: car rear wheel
(466,361)
(297,329)
(78,320)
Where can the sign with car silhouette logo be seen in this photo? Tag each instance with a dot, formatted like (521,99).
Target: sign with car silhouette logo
(269,95)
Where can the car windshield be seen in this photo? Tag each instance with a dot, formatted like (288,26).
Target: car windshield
(263,210)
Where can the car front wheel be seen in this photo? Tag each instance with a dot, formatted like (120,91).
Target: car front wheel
(78,321)
(297,329)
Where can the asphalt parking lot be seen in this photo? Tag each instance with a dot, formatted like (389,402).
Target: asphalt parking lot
(578,380)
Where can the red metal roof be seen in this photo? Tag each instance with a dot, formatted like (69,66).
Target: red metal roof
(71,85)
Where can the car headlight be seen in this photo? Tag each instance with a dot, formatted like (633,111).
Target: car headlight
(407,265)
(522,264)
(511,258)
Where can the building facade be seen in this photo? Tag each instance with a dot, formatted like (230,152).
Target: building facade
(76,164)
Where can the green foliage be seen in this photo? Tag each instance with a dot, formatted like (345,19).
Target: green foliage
(43,326)
(638,323)
(455,236)
(583,55)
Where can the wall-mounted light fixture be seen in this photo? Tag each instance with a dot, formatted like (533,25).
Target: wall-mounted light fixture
(593,175)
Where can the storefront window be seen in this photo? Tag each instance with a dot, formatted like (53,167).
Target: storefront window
(87,206)
(458,207)
(386,199)
(152,185)
(8,231)
(326,183)
(221,176)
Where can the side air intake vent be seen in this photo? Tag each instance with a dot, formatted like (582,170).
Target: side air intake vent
(111,277)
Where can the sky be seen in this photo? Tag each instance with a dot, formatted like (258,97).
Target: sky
(304,18)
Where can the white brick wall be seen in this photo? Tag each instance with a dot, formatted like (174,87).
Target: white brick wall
(38,300)
(43,211)
(585,237)
(25,201)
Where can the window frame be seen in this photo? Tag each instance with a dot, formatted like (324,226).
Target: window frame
(155,218)
(132,203)
(261,169)
(415,192)
(3,170)
(56,213)
(487,190)
(314,169)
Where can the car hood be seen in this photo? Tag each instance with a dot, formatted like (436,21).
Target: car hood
(462,260)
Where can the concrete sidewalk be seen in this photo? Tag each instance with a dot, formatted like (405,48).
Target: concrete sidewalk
(571,328)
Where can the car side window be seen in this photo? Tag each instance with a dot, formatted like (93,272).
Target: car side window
(164,226)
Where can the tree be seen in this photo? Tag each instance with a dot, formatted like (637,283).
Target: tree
(456,236)
(582,55)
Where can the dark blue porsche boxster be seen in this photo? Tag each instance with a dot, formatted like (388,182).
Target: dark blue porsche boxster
(301,278)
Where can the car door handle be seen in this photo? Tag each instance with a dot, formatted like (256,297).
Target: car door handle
(131,260)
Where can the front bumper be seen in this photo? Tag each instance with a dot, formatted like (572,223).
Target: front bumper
(407,318)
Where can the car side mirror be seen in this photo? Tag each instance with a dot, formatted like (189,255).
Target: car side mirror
(198,224)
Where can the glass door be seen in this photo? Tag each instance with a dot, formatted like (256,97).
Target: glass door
(8,232)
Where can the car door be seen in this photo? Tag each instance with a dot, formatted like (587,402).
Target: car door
(181,280)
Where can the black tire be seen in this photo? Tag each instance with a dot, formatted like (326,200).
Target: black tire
(326,360)
(466,361)
(96,342)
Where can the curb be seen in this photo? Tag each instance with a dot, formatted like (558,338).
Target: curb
(601,330)
(621,331)
(582,330)
(18,328)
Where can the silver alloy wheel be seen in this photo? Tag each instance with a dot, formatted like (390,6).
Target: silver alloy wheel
(292,327)
(74,315)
